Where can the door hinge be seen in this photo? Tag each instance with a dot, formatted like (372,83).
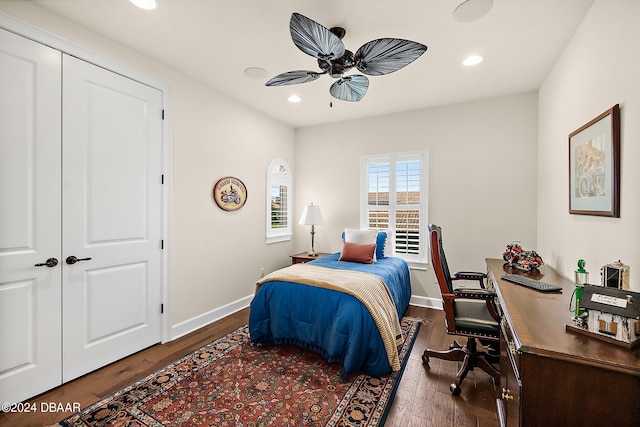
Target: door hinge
(161,308)
(162,179)
(162,244)
(162,114)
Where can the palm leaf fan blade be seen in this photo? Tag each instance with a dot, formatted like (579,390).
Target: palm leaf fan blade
(384,56)
(350,88)
(314,39)
(293,78)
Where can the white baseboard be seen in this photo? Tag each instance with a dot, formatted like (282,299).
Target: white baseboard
(183,328)
(195,323)
(426,302)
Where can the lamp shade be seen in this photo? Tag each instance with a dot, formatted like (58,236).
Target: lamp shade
(311,215)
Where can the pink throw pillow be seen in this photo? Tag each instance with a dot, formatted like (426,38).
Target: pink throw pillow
(358,252)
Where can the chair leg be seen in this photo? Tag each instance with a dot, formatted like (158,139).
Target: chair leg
(455,354)
(470,358)
(467,365)
(455,344)
(485,364)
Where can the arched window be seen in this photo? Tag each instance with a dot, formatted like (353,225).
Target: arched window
(279,201)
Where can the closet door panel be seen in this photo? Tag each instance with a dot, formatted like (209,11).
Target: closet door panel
(111,216)
(30,174)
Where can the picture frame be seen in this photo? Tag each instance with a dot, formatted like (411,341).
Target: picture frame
(594,166)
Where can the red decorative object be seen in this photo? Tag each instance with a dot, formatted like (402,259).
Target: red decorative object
(519,258)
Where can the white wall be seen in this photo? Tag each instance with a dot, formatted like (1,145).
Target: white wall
(482,179)
(216,255)
(486,167)
(599,68)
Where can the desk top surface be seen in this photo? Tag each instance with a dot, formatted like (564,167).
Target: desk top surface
(538,321)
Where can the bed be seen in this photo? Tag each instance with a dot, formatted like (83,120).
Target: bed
(332,322)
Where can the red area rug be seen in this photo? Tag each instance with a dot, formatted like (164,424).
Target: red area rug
(231,383)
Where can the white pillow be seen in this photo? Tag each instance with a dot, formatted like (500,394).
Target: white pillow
(366,237)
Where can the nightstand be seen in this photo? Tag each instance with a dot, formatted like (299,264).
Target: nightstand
(303,257)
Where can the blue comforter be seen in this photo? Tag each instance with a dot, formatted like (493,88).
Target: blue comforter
(332,323)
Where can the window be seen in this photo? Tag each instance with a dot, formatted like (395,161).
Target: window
(278,201)
(394,199)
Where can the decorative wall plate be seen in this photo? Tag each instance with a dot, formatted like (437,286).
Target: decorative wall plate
(230,193)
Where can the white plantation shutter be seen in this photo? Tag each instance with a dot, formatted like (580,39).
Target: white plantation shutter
(278,221)
(377,207)
(279,206)
(394,199)
(408,197)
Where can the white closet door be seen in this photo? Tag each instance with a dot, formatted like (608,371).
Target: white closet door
(30,302)
(112,216)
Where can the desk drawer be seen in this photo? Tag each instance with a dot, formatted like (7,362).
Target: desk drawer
(509,346)
(510,388)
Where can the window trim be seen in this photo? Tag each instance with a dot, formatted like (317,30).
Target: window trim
(276,177)
(422,260)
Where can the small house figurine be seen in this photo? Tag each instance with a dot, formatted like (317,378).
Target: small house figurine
(612,313)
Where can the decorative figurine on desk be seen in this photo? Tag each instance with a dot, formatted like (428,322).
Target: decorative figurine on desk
(519,258)
(610,314)
(581,279)
(615,275)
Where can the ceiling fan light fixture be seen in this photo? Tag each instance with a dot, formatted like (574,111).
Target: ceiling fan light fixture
(472,60)
(470,10)
(145,4)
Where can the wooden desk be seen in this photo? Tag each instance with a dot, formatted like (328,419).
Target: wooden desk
(550,377)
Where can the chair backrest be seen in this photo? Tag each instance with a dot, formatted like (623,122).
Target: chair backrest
(439,260)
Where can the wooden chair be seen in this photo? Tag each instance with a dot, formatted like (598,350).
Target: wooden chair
(469,312)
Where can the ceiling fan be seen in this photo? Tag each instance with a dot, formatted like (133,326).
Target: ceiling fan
(375,58)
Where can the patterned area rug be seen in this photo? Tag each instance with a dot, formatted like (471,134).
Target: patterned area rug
(231,383)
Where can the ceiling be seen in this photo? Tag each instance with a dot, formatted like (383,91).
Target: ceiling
(214,41)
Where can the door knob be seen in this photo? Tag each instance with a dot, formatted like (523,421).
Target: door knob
(72,259)
(51,262)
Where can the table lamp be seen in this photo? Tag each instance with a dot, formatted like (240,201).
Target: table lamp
(311,216)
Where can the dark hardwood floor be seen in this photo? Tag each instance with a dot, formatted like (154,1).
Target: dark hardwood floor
(422,400)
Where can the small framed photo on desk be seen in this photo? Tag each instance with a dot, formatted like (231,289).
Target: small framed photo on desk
(594,166)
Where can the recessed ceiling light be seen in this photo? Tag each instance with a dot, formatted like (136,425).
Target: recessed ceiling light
(294,98)
(472,60)
(470,10)
(145,4)
(256,73)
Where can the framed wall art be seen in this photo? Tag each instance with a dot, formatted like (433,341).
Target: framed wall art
(594,166)
(230,193)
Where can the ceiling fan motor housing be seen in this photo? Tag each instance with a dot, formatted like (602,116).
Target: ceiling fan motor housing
(338,31)
(337,67)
